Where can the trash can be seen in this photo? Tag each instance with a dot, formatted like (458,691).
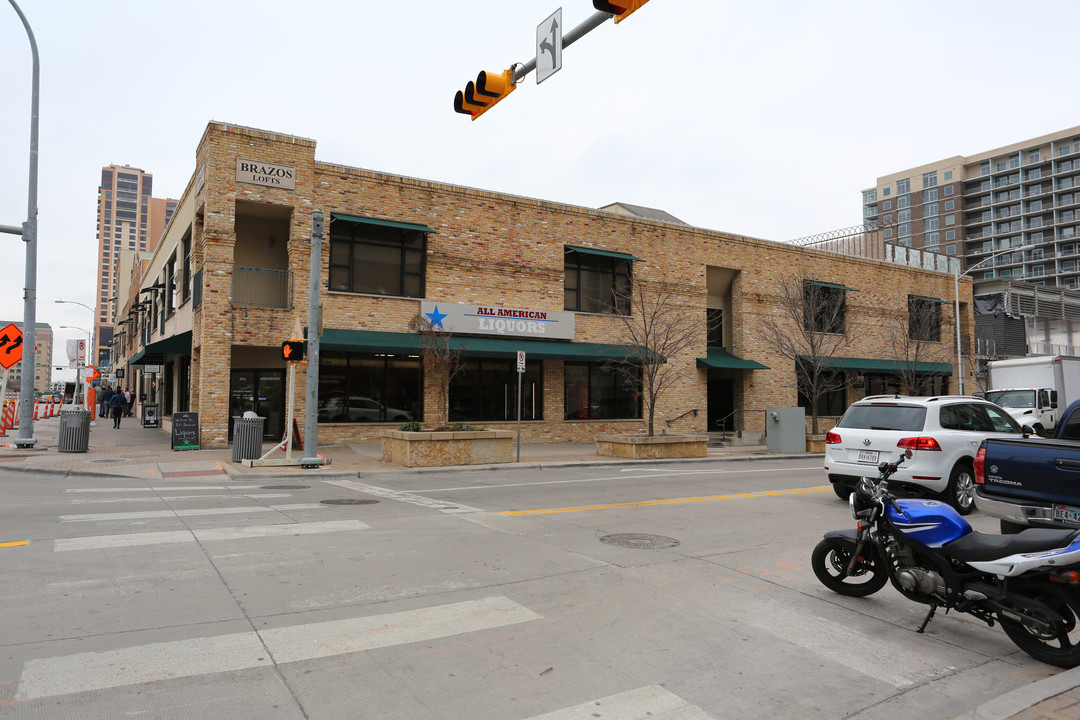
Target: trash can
(74,430)
(247,438)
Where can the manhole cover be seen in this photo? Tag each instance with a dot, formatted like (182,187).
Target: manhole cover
(639,541)
(285,487)
(348,501)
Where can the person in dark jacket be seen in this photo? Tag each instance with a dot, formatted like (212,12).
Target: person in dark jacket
(119,404)
(106,396)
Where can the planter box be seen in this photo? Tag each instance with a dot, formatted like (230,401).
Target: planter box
(815,443)
(641,447)
(437,449)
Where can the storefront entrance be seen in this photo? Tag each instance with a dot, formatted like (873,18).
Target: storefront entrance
(262,391)
(721,400)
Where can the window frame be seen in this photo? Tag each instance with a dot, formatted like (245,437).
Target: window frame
(577,264)
(351,237)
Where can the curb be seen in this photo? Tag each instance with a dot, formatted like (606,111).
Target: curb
(1023,698)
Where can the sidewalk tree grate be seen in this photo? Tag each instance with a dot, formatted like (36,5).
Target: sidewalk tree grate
(285,487)
(348,501)
(639,541)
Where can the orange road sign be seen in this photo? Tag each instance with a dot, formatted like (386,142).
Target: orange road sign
(10,345)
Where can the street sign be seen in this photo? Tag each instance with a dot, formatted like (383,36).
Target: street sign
(521,361)
(549,47)
(10,346)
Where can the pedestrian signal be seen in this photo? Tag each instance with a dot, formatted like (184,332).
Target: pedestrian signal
(293,350)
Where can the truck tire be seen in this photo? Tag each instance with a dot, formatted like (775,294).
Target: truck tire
(960,492)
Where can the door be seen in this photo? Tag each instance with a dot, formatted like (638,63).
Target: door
(721,401)
(262,391)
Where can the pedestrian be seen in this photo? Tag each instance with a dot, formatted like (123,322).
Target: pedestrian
(127,400)
(106,396)
(118,404)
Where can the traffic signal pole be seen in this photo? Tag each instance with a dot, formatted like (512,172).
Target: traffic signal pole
(569,38)
(311,457)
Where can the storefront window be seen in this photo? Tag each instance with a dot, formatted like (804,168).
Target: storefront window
(486,390)
(595,392)
(362,388)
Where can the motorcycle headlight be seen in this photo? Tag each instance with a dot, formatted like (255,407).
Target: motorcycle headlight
(862,499)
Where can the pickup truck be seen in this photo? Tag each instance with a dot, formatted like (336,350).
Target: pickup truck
(1031,481)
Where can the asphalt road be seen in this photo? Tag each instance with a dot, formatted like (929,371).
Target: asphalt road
(479,595)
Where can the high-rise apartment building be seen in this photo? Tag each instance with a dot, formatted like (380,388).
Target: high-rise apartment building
(1013,213)
(129,219)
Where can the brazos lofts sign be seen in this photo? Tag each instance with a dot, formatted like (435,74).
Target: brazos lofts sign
(282,177)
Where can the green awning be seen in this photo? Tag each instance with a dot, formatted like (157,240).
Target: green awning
(819,283)
(604,253)
(939,301)
(155,352)
(383,223)
(370,341)
(721,358)
(881,365)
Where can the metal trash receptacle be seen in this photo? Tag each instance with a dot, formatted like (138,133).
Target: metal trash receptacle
(247,438)
(74,430)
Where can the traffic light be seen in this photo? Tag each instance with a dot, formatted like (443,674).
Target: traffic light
(293,350)
(621,9)
(480,96)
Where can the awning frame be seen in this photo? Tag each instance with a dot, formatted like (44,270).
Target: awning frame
(382,223)
(602,253)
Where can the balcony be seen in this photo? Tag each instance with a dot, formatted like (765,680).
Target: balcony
(262,287)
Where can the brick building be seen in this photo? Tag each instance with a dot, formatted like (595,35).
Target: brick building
(201,328)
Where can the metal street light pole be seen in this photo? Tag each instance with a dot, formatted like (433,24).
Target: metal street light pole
(28,231)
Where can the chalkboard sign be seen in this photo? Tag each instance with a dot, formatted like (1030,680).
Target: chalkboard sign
(185,431)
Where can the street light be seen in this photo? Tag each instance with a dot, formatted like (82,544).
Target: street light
(956,306)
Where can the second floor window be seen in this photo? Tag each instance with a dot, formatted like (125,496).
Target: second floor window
(924,319)
(597,281)
(824,307)
(377,257)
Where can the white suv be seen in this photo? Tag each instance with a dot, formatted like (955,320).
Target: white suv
(943,434)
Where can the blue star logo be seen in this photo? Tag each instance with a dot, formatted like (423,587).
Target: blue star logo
(436,318)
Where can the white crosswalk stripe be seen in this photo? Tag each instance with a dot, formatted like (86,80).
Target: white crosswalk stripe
(48,677)
(151,514)
(102,542)
(647,703)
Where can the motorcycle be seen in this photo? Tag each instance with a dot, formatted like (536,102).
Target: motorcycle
(1028,582)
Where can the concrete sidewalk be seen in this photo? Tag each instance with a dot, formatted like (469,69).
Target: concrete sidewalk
(146,453)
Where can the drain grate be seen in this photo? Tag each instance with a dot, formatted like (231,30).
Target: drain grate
(348,501)
(285,487)
(640,541)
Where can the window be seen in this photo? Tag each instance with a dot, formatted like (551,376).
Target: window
(950,249)
(1033,156)
(930,210)
(950,219)
(355,387)
(904,201)
(714,318)
(903,186)
(596,392)
(869,196)
(377,258)
(931,240)
(950,205)
(903,215)
(486,390)
(948,177)
(949,234)
(886,205)
(597,283)
(924,319)
(885,192)
(929,179)
(904,229)
(930,195)
(824,307)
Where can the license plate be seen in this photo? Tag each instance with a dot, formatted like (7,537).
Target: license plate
(1067,513)
(868,456)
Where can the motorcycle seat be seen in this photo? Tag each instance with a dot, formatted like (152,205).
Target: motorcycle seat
(982,547)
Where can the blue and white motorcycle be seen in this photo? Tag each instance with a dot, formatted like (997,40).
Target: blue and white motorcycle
(1029,582)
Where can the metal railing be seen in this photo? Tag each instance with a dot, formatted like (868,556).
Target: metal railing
(680,417)
(262,287)
(737,424)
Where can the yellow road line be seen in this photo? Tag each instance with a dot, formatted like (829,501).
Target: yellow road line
(15,544)
(671,501)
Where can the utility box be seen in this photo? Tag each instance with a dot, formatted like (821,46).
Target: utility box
(74,431)
(247,437)
(785,429)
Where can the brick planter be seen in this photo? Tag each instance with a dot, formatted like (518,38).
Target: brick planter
(815,443)
(642,447)
(438,449)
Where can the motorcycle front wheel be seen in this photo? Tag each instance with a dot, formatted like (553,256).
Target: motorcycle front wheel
(830,561)
(1060,644)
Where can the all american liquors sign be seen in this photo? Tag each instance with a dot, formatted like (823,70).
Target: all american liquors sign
(493,320)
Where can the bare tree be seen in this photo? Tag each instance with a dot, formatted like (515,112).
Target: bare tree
(658,328)
(810,327)
(442,359)
(914,338)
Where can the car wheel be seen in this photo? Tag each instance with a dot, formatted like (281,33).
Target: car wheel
(842,491)
(960,492)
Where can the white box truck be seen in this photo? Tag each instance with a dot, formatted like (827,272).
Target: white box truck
(1035,390)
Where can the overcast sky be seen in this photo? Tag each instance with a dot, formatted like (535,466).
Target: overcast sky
(765,118)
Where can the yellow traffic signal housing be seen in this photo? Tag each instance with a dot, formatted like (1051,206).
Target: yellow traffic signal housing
(621,9)
(481,96)
(293,350)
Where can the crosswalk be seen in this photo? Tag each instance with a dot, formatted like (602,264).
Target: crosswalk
(250,645)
